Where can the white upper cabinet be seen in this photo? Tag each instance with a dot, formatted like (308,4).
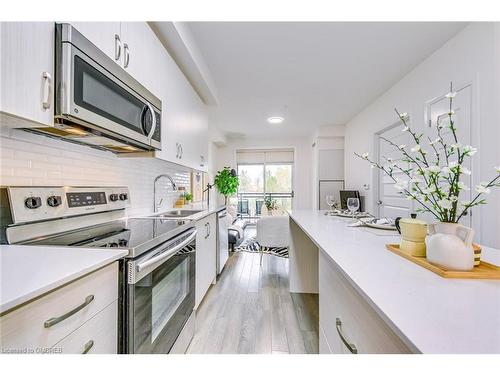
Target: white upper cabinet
(105,35)
(184,118)
(27,71)
(141,53)
(27,76)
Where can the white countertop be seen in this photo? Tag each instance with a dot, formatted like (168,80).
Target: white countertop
(27,272)
(430,313)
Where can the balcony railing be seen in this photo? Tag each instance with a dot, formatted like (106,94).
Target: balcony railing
(250,204)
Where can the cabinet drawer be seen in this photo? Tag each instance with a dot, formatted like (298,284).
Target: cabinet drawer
(360,324)
(96,336)
(24,328)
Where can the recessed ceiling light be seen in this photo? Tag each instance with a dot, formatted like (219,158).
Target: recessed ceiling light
(275,120)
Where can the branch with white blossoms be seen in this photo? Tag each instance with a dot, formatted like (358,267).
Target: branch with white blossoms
(399,184)
(435,185)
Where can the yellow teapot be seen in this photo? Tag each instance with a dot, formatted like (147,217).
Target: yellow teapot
(413,233)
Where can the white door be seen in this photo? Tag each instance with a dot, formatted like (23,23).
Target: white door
(27,70)
(437,110)
(390,202)
(105,36)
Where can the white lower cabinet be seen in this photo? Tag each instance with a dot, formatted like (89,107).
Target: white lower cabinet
(96,336)
(348,324)
(206,256)
(324,347)
(39,325)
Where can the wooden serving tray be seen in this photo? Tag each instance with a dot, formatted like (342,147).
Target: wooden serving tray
(483,271)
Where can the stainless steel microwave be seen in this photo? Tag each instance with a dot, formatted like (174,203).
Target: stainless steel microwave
(97,102)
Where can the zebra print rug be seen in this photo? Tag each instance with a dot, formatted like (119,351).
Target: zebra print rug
(252,246)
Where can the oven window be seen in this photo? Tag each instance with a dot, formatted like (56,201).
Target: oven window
(167,296)
(95,92)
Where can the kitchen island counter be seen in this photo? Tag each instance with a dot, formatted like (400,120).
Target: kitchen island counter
(429,313)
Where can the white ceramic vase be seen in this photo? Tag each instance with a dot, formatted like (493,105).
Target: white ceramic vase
(449,245)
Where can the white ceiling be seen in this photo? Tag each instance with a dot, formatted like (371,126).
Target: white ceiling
(312,74)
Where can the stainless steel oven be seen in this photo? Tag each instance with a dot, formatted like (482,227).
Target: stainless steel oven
(98,102)
(159,297)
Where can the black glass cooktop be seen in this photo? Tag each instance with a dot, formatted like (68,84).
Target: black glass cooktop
(135,235)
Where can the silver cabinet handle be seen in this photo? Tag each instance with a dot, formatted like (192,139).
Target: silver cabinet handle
(202,161)
(209,230)
(126,55)
(352,348)
(88,346)
(182,151)
(53,321)
(47,92)
(118,47)
(177,146)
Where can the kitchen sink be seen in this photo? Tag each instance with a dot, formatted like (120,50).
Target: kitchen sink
(177,213)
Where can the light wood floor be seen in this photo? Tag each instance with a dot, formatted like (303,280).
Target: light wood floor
(250,310)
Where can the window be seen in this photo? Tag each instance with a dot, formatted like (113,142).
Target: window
(251,178)
(259,181)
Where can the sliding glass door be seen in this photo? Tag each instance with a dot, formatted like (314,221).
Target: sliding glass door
(264,180)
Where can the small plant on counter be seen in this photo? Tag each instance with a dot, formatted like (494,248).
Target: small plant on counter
(188,197)
(226,181)
(432,169)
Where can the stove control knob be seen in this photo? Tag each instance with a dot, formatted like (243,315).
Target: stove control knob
(54,200)
(33,202)
(113,244)
(123,196)
(113,197)
(122,243)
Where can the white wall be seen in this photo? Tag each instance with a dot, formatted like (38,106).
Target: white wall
(471,56)
(302,178)
(33,160)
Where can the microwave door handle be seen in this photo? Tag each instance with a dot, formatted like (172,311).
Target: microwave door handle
(153,116)
(166,254)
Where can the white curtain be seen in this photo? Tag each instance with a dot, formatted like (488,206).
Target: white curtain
(264,156)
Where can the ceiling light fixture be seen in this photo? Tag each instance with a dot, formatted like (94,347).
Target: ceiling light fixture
(275,120)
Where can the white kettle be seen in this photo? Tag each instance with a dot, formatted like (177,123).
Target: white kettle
(449,245)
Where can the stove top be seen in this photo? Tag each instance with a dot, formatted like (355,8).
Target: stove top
(136,235)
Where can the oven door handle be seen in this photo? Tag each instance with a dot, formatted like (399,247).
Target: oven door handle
(167,254)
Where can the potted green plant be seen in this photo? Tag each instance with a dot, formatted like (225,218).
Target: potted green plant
(429,172)
(188,197)
(271,204)
(226,181)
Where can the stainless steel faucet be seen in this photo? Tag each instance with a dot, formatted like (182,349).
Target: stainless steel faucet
(174,188)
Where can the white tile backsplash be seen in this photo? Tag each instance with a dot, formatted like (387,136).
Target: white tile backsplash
(29,159)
